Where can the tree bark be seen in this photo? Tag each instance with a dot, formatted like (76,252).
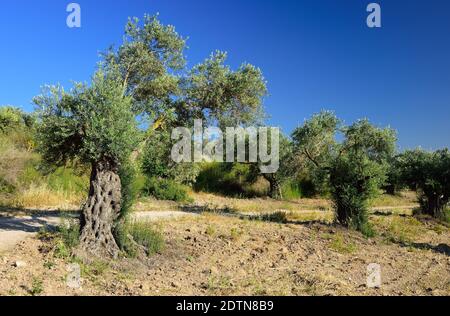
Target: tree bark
(434,205)
(101,211)
(275,191)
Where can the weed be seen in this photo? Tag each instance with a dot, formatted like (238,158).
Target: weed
(340,245)
(210,231)
(37,287)
(235,233)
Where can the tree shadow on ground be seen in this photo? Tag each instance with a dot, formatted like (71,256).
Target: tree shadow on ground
(441,248)
(275,217)
(31,220)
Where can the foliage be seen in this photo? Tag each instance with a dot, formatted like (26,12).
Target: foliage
(229,179)
(16,144)
(429,174)
(151,63)
(394,183)
(69,231)
(213,92)
(354,169)
(91,123)
(163,189)
(284,173)
(13,119)
(132,186)
(157,162)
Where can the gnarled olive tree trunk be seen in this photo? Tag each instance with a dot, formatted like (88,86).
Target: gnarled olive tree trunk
(433,204)
(101,211)
(275,191)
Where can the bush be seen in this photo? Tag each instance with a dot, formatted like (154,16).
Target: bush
(447,215)
(229,179)
(277,217)
(163,189)
(69,231)
(157,160)
(132,186)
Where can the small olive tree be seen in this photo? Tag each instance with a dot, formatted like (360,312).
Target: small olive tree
(354,169)
(429,174)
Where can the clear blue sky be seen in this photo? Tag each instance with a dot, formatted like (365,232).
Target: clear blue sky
(315,54)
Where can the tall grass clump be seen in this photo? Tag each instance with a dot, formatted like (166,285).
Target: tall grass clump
(135,239)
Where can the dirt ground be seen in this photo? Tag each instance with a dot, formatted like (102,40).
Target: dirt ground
(222,255)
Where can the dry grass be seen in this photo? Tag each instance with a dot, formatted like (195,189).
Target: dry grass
(405,198)
(42,197)
(407,229)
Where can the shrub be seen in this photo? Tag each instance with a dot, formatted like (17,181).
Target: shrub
(163,189)
(230,179)
(277,217)
(69,231)
(66,237)
(157,160)
(132,185)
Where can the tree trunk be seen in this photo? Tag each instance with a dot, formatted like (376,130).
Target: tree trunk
(434,205)
(275,190)
(101,210)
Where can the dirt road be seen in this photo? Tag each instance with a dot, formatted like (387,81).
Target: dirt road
(15,229)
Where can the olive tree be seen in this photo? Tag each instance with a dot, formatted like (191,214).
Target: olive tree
(96,125)
(354,169)
(429,174)
(143,82)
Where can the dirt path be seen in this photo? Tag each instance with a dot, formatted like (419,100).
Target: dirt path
(15,229)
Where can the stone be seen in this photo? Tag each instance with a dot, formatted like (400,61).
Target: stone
(20,264)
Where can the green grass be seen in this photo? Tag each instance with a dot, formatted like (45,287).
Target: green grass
(398,229)
(339,244)
(447,216)
(291,190)
(210,231)
(37,287)
(64,239)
